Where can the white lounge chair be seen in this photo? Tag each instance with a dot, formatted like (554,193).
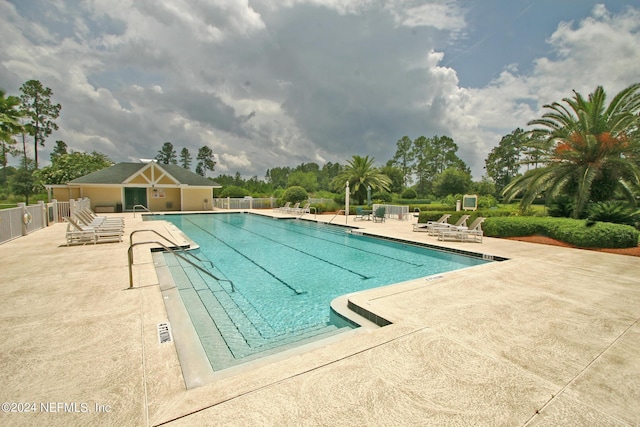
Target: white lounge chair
(303,210)
(77,233)
(293,209)
(473,233)
(114,219)
(426,226)
(89,219)
(435,229)
(283,208)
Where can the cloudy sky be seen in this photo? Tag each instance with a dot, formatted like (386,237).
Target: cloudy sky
(268,83)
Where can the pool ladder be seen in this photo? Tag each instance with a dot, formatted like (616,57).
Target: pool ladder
(174,251)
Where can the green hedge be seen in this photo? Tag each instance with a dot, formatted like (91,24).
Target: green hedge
(576,232)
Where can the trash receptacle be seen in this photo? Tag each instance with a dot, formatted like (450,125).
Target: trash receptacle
(119,207)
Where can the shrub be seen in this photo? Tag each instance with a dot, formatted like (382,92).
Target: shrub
(234,191)
(487,201)
(327,207)
(452,199)
(295,194)
(614,211)
(512,226)
(426,216)
(382,197)
(435,207)
(409,193)
(561,206)
(573,231)
(491,212)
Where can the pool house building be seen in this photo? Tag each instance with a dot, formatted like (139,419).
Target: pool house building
(157,187)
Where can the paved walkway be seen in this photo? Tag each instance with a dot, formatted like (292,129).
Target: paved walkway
(549,337)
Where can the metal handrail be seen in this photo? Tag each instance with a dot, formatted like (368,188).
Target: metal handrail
(140,206)
(337,213)
(173,252)
(155,232)
(315,212)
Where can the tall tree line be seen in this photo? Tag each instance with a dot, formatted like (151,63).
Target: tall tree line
(32,114)
(424,159)
(205,158)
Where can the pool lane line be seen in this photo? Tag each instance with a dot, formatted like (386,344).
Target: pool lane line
(269,223)
(362,276)
(297,291)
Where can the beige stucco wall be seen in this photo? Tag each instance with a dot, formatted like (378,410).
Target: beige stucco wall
(160,204)
(103,196)
(193,198)
(65,194)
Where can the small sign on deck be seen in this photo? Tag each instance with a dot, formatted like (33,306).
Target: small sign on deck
(164,332)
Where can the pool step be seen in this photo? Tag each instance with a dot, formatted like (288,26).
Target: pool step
(246,332)
(245,318)
(230,335)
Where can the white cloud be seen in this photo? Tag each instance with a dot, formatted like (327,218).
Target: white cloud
(600,50)
(440,15)
(278,83)
(233,162)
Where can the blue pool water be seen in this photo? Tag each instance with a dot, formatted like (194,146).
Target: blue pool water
(285,273)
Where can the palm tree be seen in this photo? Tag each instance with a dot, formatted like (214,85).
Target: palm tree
(589,151)
(361,174)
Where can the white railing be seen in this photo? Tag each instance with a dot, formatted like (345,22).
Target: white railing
(255,203)
(10,223)
(400,212)
(63,209)
(244,203)
(22,220)
(79,205)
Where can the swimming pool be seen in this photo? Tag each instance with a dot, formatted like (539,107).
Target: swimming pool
(279,276)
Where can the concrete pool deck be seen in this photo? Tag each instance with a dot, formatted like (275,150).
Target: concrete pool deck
(549,337)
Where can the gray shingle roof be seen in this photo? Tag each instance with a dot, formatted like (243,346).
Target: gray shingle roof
(185,176)
(119,173)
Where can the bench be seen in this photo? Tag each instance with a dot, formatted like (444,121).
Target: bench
(105,209)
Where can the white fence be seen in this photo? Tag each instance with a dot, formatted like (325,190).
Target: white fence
(255,203)
(400,212)
(244,203)
(20,221)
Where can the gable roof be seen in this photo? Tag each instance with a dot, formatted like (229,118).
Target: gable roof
(185,176)
(120,173)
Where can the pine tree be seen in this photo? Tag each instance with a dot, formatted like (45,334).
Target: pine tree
(205,161)
(39,112)
(185,158)
(167,155)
